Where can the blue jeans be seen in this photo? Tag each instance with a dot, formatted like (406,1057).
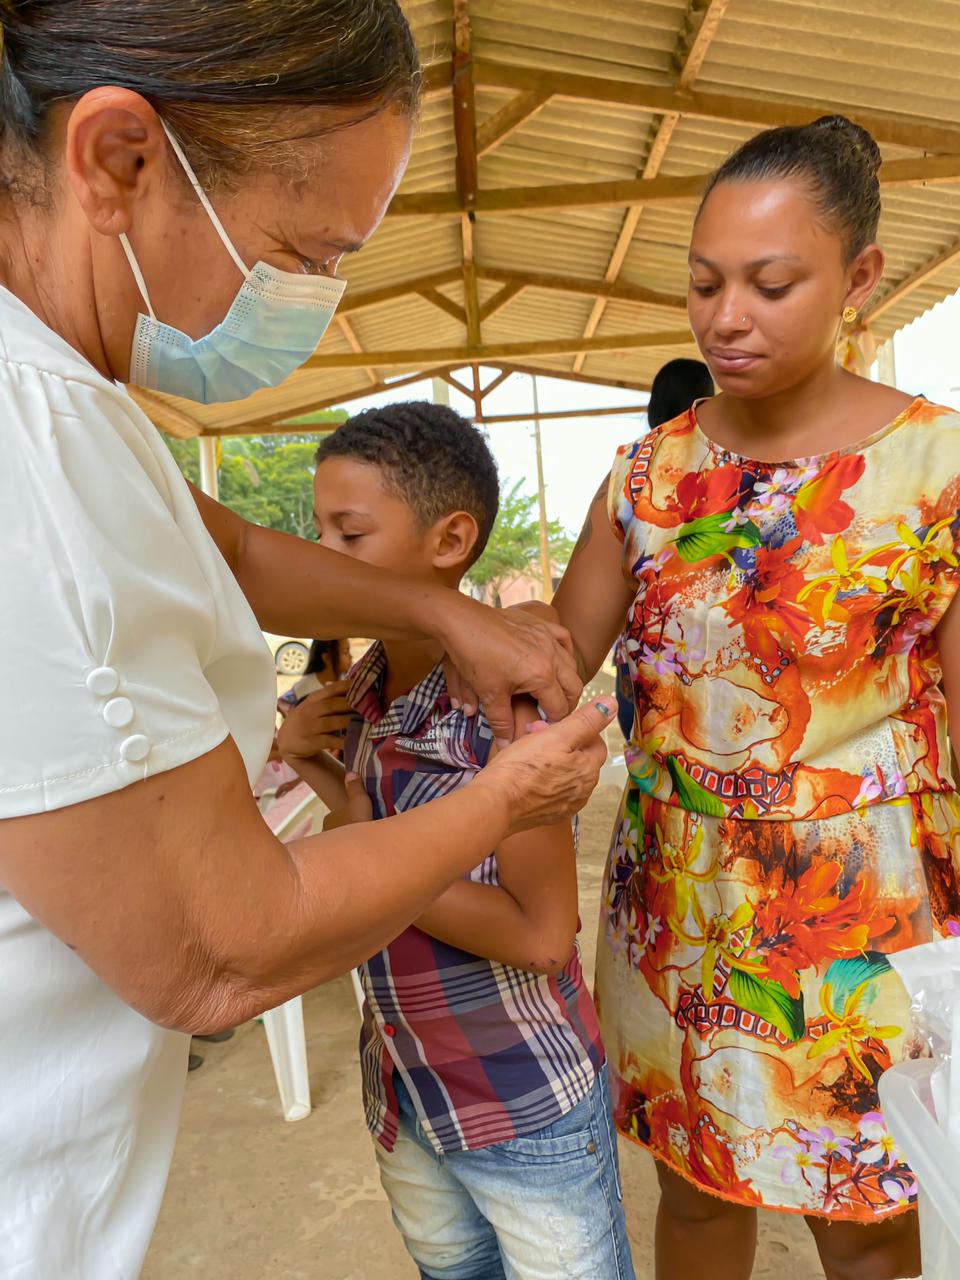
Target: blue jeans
(543,1207)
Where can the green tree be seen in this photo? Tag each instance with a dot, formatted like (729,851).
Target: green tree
(265,479)
(514,545)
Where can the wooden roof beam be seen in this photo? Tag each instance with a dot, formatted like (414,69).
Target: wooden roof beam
(493,353)
(443,303)
(947,258)
(346,328)
(468,182)
(902,131)
(390,292)
(614,291)
(565,375)
(504,295)
(270,424)
(699,28)
(492,385)
(509,119)
(487,419)
(274,423)
(619,291)
(923,170)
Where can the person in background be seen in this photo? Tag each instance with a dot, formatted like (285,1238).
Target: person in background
(677,385)
(484,1077)
(787,558)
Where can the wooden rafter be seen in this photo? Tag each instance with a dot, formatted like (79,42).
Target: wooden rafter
(902,131)
(347,329)
(495,382)
(465,133)
(922,171)
(390,292)
(493,353)
(443,303)
(618,291)
(506,121)
(279,422)
(947,258)
(457,385)
(565,375)
(705,20)
(598,411)
(276,424)
(504,295)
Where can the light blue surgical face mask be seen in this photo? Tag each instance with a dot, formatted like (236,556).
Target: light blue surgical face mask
(274,324)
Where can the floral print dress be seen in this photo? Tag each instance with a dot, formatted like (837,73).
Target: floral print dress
(790,817)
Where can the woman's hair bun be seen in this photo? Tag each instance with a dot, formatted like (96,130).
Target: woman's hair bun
(859,138)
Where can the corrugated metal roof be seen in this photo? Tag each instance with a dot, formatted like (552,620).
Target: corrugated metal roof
(899,61)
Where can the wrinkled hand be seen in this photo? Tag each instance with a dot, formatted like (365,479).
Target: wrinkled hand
(495,655)
(550,773)
(357,809)
(316,724)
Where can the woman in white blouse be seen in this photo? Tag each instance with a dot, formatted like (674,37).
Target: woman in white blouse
(179,183)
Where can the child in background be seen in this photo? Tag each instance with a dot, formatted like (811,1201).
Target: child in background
(484,1077)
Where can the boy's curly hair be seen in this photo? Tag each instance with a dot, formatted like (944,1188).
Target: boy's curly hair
(428,456)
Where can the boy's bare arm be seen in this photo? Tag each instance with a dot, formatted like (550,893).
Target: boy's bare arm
(324,774)
(529,920)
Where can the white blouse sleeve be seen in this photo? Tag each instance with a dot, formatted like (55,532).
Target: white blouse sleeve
(108,620)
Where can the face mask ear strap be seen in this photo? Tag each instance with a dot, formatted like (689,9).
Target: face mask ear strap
(137,274)
(202,197)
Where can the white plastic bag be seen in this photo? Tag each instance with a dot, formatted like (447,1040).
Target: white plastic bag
(921,1100)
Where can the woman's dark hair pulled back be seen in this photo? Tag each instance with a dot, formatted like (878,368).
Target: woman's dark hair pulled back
(219,73)
(837,159)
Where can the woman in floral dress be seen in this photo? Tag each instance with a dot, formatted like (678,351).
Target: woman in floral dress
(785,555)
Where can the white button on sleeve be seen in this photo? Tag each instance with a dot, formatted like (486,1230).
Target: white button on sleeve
(118,712)
(103,681)
(135,748)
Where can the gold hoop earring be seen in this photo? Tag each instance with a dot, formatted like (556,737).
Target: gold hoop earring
(850,314)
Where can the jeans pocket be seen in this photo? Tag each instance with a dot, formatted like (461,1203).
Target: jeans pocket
(572,1136)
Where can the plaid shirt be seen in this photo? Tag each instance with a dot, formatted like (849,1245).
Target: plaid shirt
(487,1052)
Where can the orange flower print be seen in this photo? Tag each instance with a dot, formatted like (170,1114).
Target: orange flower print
(818,507)
(805,923)
(765,606)
(708,493)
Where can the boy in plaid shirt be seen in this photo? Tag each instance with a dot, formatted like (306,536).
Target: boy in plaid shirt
(484,1077)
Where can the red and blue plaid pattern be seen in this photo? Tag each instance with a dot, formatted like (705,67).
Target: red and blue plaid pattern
(487,1052)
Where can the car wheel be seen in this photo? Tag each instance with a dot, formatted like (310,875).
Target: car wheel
(291,658)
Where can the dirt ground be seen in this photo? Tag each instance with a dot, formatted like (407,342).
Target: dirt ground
(252,1197)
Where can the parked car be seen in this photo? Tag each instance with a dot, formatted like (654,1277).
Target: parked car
(289,656)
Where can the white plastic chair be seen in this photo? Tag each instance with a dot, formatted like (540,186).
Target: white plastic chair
(284,1025)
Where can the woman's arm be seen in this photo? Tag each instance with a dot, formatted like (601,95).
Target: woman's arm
(948,644)
(297,588)
(593,598)
(176,894)
(530,919)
